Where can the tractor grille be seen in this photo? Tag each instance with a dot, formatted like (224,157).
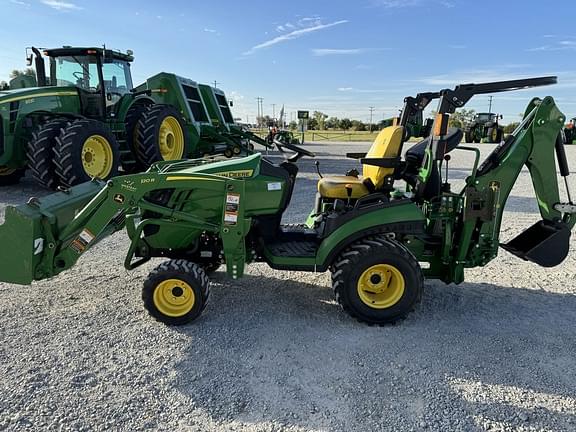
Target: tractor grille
(195,103)
(224,108)
(13,115)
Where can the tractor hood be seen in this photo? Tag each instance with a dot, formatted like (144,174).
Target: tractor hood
(7,96)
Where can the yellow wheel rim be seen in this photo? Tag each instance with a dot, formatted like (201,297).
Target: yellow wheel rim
(381,286)
(4,171)
(97,157)
(494,135)
(174,297)
(171,139)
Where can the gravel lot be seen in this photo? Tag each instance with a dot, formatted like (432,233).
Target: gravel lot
(273,351)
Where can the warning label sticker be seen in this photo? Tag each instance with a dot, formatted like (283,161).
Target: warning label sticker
(231,211)
(231,218)
(80,243)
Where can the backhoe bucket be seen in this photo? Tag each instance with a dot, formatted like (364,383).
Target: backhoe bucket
(28,230)
(545,243)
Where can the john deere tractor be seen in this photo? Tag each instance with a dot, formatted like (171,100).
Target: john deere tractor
(485,127)
(85,119)
(378,240)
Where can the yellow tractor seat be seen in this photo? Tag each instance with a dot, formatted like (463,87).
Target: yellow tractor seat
(335,187)
(386,146)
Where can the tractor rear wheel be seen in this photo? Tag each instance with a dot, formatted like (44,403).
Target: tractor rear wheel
(131,123)
(377,280)
(493,135)
(161,135)
(469,137)
(40,153)
(176,292)
(86,149)
(10,176)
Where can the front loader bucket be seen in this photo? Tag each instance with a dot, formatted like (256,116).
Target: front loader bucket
(545,243)
(29,230)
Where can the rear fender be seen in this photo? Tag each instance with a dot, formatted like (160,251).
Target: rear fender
(398,219)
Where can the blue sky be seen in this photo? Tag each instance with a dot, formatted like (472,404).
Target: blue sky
(334,56)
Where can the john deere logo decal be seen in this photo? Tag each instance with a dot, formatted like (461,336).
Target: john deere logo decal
(236,174)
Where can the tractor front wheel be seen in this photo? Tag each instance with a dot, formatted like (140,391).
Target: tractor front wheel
(40,153)
(494,135)
(377,280)
(176,292)
(161,135)
(10,176)
(86,149)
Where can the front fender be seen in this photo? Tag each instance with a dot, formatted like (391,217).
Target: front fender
(400,218)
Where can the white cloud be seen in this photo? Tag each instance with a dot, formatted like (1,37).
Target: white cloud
(61,5)
(209,30)
(320,52)
(344,89)
(293,35)
(20,3)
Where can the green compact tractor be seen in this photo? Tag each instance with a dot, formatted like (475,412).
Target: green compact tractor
(570,132)
(379,241)
(485,127)
(85,120)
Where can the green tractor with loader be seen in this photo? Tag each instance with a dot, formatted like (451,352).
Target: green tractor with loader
(485,128)
(84,119)
(379,234)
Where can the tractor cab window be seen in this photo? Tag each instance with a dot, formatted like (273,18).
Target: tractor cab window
(79,71)
(117,79)
(484,117)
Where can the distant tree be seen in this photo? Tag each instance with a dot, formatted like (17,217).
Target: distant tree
(332,123)
(3,85)
(357,125)
(264,121)
(293,125)
(28,71)
(461,118)
(320,118)
(509,128)
(312,124)
(345,124)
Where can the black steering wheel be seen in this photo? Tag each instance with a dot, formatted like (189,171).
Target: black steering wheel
(298,151)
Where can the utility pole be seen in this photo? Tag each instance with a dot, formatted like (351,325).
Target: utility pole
(259,118)
(216,84)
(490,106)
(274,113)
(371,112)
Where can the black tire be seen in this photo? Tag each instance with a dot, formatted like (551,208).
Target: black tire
(189,278)
(148,134)
(131,121)
(500,135)
(69,157)
(492,135)
(379,253)
(10,176)
(40,153)
(469,137)
(477,140)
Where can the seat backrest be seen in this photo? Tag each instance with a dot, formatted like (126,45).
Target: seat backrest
(387,144)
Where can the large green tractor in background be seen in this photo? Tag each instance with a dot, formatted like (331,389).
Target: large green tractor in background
(570,131)
(85,119)
(485,127)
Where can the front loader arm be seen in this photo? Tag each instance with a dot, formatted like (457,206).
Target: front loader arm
(49,235)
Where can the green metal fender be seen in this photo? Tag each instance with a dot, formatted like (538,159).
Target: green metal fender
(403,218)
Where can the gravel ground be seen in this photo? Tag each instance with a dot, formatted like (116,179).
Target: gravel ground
(273,351)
